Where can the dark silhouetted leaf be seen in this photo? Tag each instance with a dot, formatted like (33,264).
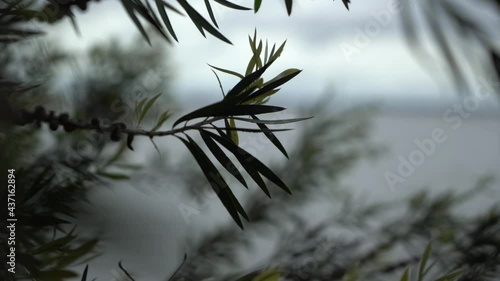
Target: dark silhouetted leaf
(346,3)
(234,73)
(160,4)
(222,109)
(272,137)
(248,160)
(272,122)
(256,5)
(245,82)
(215,179)
(84,275)
(211,12)
(130,10)
(125,271)
(289,4)
(496,63)
(231,5)
(201,22)
(273,85)
(222,158)
(130,139)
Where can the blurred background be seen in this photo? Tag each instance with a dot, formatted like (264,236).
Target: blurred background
(403,148)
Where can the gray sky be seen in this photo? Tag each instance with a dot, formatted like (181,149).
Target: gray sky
(324,39)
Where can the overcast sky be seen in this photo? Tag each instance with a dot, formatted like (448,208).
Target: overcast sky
(323,40)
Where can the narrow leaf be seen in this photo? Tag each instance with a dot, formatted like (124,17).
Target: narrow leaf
(233,133)
(272,137)
(234,73)
(273,85)
(247,159)
(222,158)
(289,4)
(84,275)
(125,271)
(271,122)
(130,10)
(130,139)
(231,5)
(214,178)
(161,119)
(163,13)
(245,82)
(423,262)
(222,109)
(201,22)
(211,12)
(406,275)
(147,107)
(256,5)
(451,276)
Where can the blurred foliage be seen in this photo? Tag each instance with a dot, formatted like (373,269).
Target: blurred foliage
(463,33)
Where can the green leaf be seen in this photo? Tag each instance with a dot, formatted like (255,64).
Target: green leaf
(215,179)
(406,275)
(211,12)
(233,133)
(276,55)
(256,5)
(249,161)
(161,119)
(423,262)
(266,53)
(289,4)
(262,99)
(246,81)
(138,107)
(160,4)
(272,137)
(223,109)
(147,107)
(222,158)
(201,22)
(251,65)
(234,73)
(274,84)
(231,5)
(451,276)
